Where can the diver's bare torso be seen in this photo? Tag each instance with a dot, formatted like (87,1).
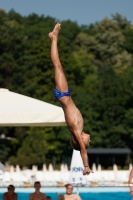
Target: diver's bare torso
(73,116)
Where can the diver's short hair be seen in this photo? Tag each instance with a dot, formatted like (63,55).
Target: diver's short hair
(74,143)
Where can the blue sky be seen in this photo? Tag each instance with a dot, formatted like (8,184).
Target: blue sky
(81,11)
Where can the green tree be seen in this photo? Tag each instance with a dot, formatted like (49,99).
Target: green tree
(128,41)
(4,153)
(32,150)
(121,21)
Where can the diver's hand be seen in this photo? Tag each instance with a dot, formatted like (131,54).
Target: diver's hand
(87,170)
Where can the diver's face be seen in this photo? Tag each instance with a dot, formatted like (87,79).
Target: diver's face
(86,139)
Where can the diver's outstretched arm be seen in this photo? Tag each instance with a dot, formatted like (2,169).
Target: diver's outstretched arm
(83,153)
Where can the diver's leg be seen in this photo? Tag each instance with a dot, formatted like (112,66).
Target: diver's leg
(60,79)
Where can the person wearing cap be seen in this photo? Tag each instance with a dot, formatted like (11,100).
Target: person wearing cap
(10,194)
(69,195)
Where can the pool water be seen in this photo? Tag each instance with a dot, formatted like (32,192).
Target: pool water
(85,194)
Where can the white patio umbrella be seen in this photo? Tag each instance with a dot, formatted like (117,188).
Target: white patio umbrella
(115,170)
(6,177)
(20,110)
(57,176)
(12,172)
(17,174)
(1,168)
(62,167)
(18,170)
(34,170)
(50,168)
(94,169)
(99,168)
(27,174)
(66,168)
(64,173)
(50,173)
(76,170)
(34,173)
(130,166)
(39,176)
(44,169)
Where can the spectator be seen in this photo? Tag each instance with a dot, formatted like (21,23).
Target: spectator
(69,195)
(10,194)
(37,195)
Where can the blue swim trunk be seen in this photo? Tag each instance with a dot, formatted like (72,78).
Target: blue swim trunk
(58,94)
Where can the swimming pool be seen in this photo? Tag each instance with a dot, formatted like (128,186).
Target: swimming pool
(86,193)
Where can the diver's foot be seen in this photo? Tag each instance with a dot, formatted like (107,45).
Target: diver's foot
(55,32)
